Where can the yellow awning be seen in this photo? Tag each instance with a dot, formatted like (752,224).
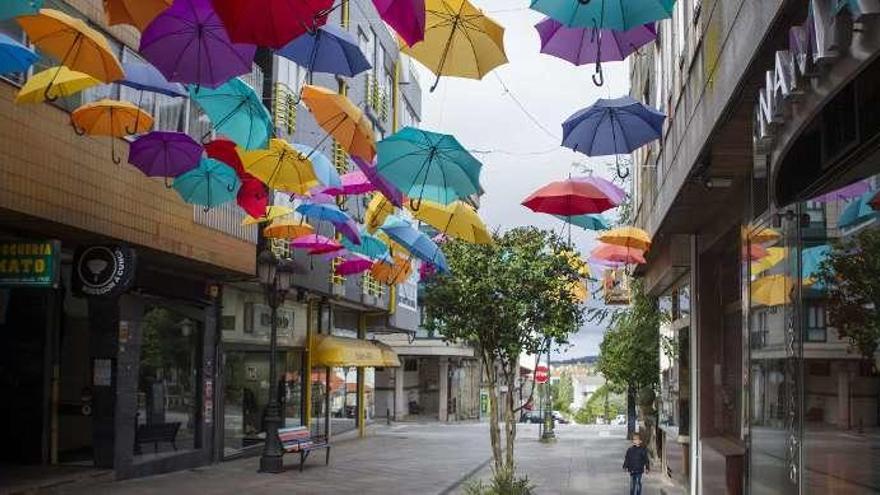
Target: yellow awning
(341,352)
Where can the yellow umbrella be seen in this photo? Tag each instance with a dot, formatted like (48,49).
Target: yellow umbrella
(110,118)
(763,235)
(272,212)
(459,41)
(578,289)
(74,43)
(138,13)
(287,229)
(377,211)
(774,256)
(457,219)
(772,290)
(55,82)
(280,167)
(347,123)
(630,237)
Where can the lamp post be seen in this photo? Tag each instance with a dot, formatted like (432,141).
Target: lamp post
(549,432)
(276,277)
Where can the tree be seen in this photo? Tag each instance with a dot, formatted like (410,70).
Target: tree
(510,297)
(602,403)
(562,392)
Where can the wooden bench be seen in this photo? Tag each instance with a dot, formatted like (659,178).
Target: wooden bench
(299,439)
(154,433)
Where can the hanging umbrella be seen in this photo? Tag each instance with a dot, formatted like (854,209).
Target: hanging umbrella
(16,8)
(383,186)
(353,183)
(459,41)
(618,254)
(370,246)
(426,271)
(406,17)
(287,229)
(348,230)
(15,57)
(315,244)
(393,271)
(753,252)
(337,115)
(612,127)
(858,211)
(252,196)
(875,201)
(763,235)
(614,192)
(224,150)
(568,198)
(586,222)
(145,77)
(811,262)
(619,15)
(353,264)
(581,46)
(271,23)
(210,184)
(54,83)
(377,211)
(772,290)
(323,168)
(188,43)
(414,241)
(855,189)
(627,236)
(164,154)
(428,165)
(457,219)
(323,212)
(236,111)
(138,13)
(110,118)
(330,50)
(773,257)
(268,214)
(280,167)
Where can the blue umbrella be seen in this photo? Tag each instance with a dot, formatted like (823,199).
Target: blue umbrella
(329,49)
(15,57)
(15,8)
(811,259)
(414,241)
(145,77)
(323,212)
(612,127)
(324,169)
(587,222)
(858,211)
(210,184)
(370,246)
(608,14)
(236,111)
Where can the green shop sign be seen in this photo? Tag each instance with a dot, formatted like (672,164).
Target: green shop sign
(30,263)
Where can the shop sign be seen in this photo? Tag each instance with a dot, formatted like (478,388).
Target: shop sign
(103,271)
(30,263)
(812,47)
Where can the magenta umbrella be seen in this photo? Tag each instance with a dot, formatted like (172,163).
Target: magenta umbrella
(165,154)
(406,17)
(349,230)
(315,244)
(353,265)
(382,185)
(188,43)
(611,190)
(355,182)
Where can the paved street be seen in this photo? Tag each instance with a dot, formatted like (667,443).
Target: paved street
(415,459)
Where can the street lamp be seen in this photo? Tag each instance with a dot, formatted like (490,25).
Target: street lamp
(276,276)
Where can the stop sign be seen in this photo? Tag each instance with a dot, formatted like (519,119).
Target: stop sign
(542,374)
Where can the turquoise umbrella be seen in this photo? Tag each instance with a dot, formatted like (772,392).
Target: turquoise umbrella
(858,211)
(428,165)
(370,246)
(811,259)
(15,57)
(16,8)
(210,184)
(619,15)
(414,241)
(236,111)
(324,169)
(587,222)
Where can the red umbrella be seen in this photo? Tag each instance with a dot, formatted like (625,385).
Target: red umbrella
(253,197)
(271,23)
(569,197)
(875,201)
(618,254)
(224,150)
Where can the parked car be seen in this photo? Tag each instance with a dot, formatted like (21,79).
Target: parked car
(535,417)
(559,418)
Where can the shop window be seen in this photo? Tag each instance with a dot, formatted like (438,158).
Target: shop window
(11,28)
(410,365)
(815,323)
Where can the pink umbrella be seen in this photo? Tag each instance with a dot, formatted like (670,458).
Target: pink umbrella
(426,270)
(353,265)
(355,182)
(611,190)
(406,17)
(315,244)
(383,186)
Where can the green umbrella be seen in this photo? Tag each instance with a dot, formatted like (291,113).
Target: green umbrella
(236,111)
(370,246)
(587,222)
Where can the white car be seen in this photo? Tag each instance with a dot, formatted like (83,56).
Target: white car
(619,420)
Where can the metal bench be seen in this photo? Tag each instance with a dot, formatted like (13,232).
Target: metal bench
(154,433)
(299,439)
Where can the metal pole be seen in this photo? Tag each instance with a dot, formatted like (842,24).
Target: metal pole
(549,433)
(271,460)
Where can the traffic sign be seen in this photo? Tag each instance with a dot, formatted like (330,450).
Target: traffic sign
(542,374)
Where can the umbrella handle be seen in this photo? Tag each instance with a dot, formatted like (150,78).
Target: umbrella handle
(230,187)
(116,159)
(168,185)
(77,130)
(413,205)
(206,209)
(47,96)
(584,2)
(598,77)
(437,82)
(621,175)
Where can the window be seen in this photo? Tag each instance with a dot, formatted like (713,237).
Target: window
(11,28)
(814,319)
(410,364)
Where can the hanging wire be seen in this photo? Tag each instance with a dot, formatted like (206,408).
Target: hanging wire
(524,110)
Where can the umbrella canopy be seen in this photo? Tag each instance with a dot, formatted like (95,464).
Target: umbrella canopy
(145,77)
(315,244)
(581,46)
(773,257)
(618,254)
(764,235)
(110,118)
(188,43)
(377,211)
(164,154)
(236,111)
(330,49)
(457,219)
(612,127)
(287,229)
(392,271)
(268,214)
(271,23)
(811,261)
(52,83)
(280,167)
(138,13)
(459,41)
(348,230)
(252,197)
(406,17)
(858,211)
(337,115)
(586,222)
(355,182)
(609,14)
(383,186)
(614,192)
(627,236)
(754,252)
(414,241)
(16,8)
(15,57)
(428,165)
(353,264)
(210,184)
(225,151)
(569,198)
(771,290)
(323,212)
(846,192)
(323,168)
(370,246)
(71,41)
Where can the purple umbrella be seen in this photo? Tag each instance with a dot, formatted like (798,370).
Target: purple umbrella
(353,183)
(406,17)
(164,154)
(846,192)
(349,230)
(189,44)
(382,185)
(610,189)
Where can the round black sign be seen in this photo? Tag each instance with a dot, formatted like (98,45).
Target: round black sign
(104,270)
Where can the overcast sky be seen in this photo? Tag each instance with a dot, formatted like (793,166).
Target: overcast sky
(522,156)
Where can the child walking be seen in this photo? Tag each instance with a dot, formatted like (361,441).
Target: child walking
(635,463)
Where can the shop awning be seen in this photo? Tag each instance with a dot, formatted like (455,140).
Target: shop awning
(340,352)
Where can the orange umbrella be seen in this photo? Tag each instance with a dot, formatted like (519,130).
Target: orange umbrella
(110,118)
(287,229)
(395,272)
(347,123)
(618,254)
(754,252)
(138,13)
(626,236)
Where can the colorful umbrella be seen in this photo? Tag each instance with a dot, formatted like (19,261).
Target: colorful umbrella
(145,77)
(392,271)
(138,13)
(164,154)
(189,44)
(586,222)
(383,186)
(347,123)
(16,8)
(773,257)
(846,192)
(627,236)
(772,290)
(619,15)
(110,118)
(224,150)
(754,252)
(377,211)
(268,214)
(252,197)
(616,194)
(569,198)
(457,219)
(428,165)
(210,184)
(327,213)
(406,17)
(459,41)
(811,262)
(287,229)
(370,246)
(315,244)
(612,127)
(271,23)
(414,241)
(329,49)
(236,111)
(763,235)
(858,211)
(15,57)
(54,83)
(324,169)
(353,183)
(875,201)
(618,254)
(280,167)
(353,264)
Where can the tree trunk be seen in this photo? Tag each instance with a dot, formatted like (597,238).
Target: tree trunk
(510,420)
(494,428)
(630,411)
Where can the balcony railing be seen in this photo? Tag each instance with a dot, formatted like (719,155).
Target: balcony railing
(377,97)
(284,108)
(226,218)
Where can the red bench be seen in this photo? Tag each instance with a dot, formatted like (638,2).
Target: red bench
(299,439)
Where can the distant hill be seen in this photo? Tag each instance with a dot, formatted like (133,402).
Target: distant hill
(578,360)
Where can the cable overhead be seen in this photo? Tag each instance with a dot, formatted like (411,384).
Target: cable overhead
(525,111)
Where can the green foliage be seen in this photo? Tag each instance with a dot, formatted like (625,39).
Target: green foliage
(562,392)
(504,482)
(595,406)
